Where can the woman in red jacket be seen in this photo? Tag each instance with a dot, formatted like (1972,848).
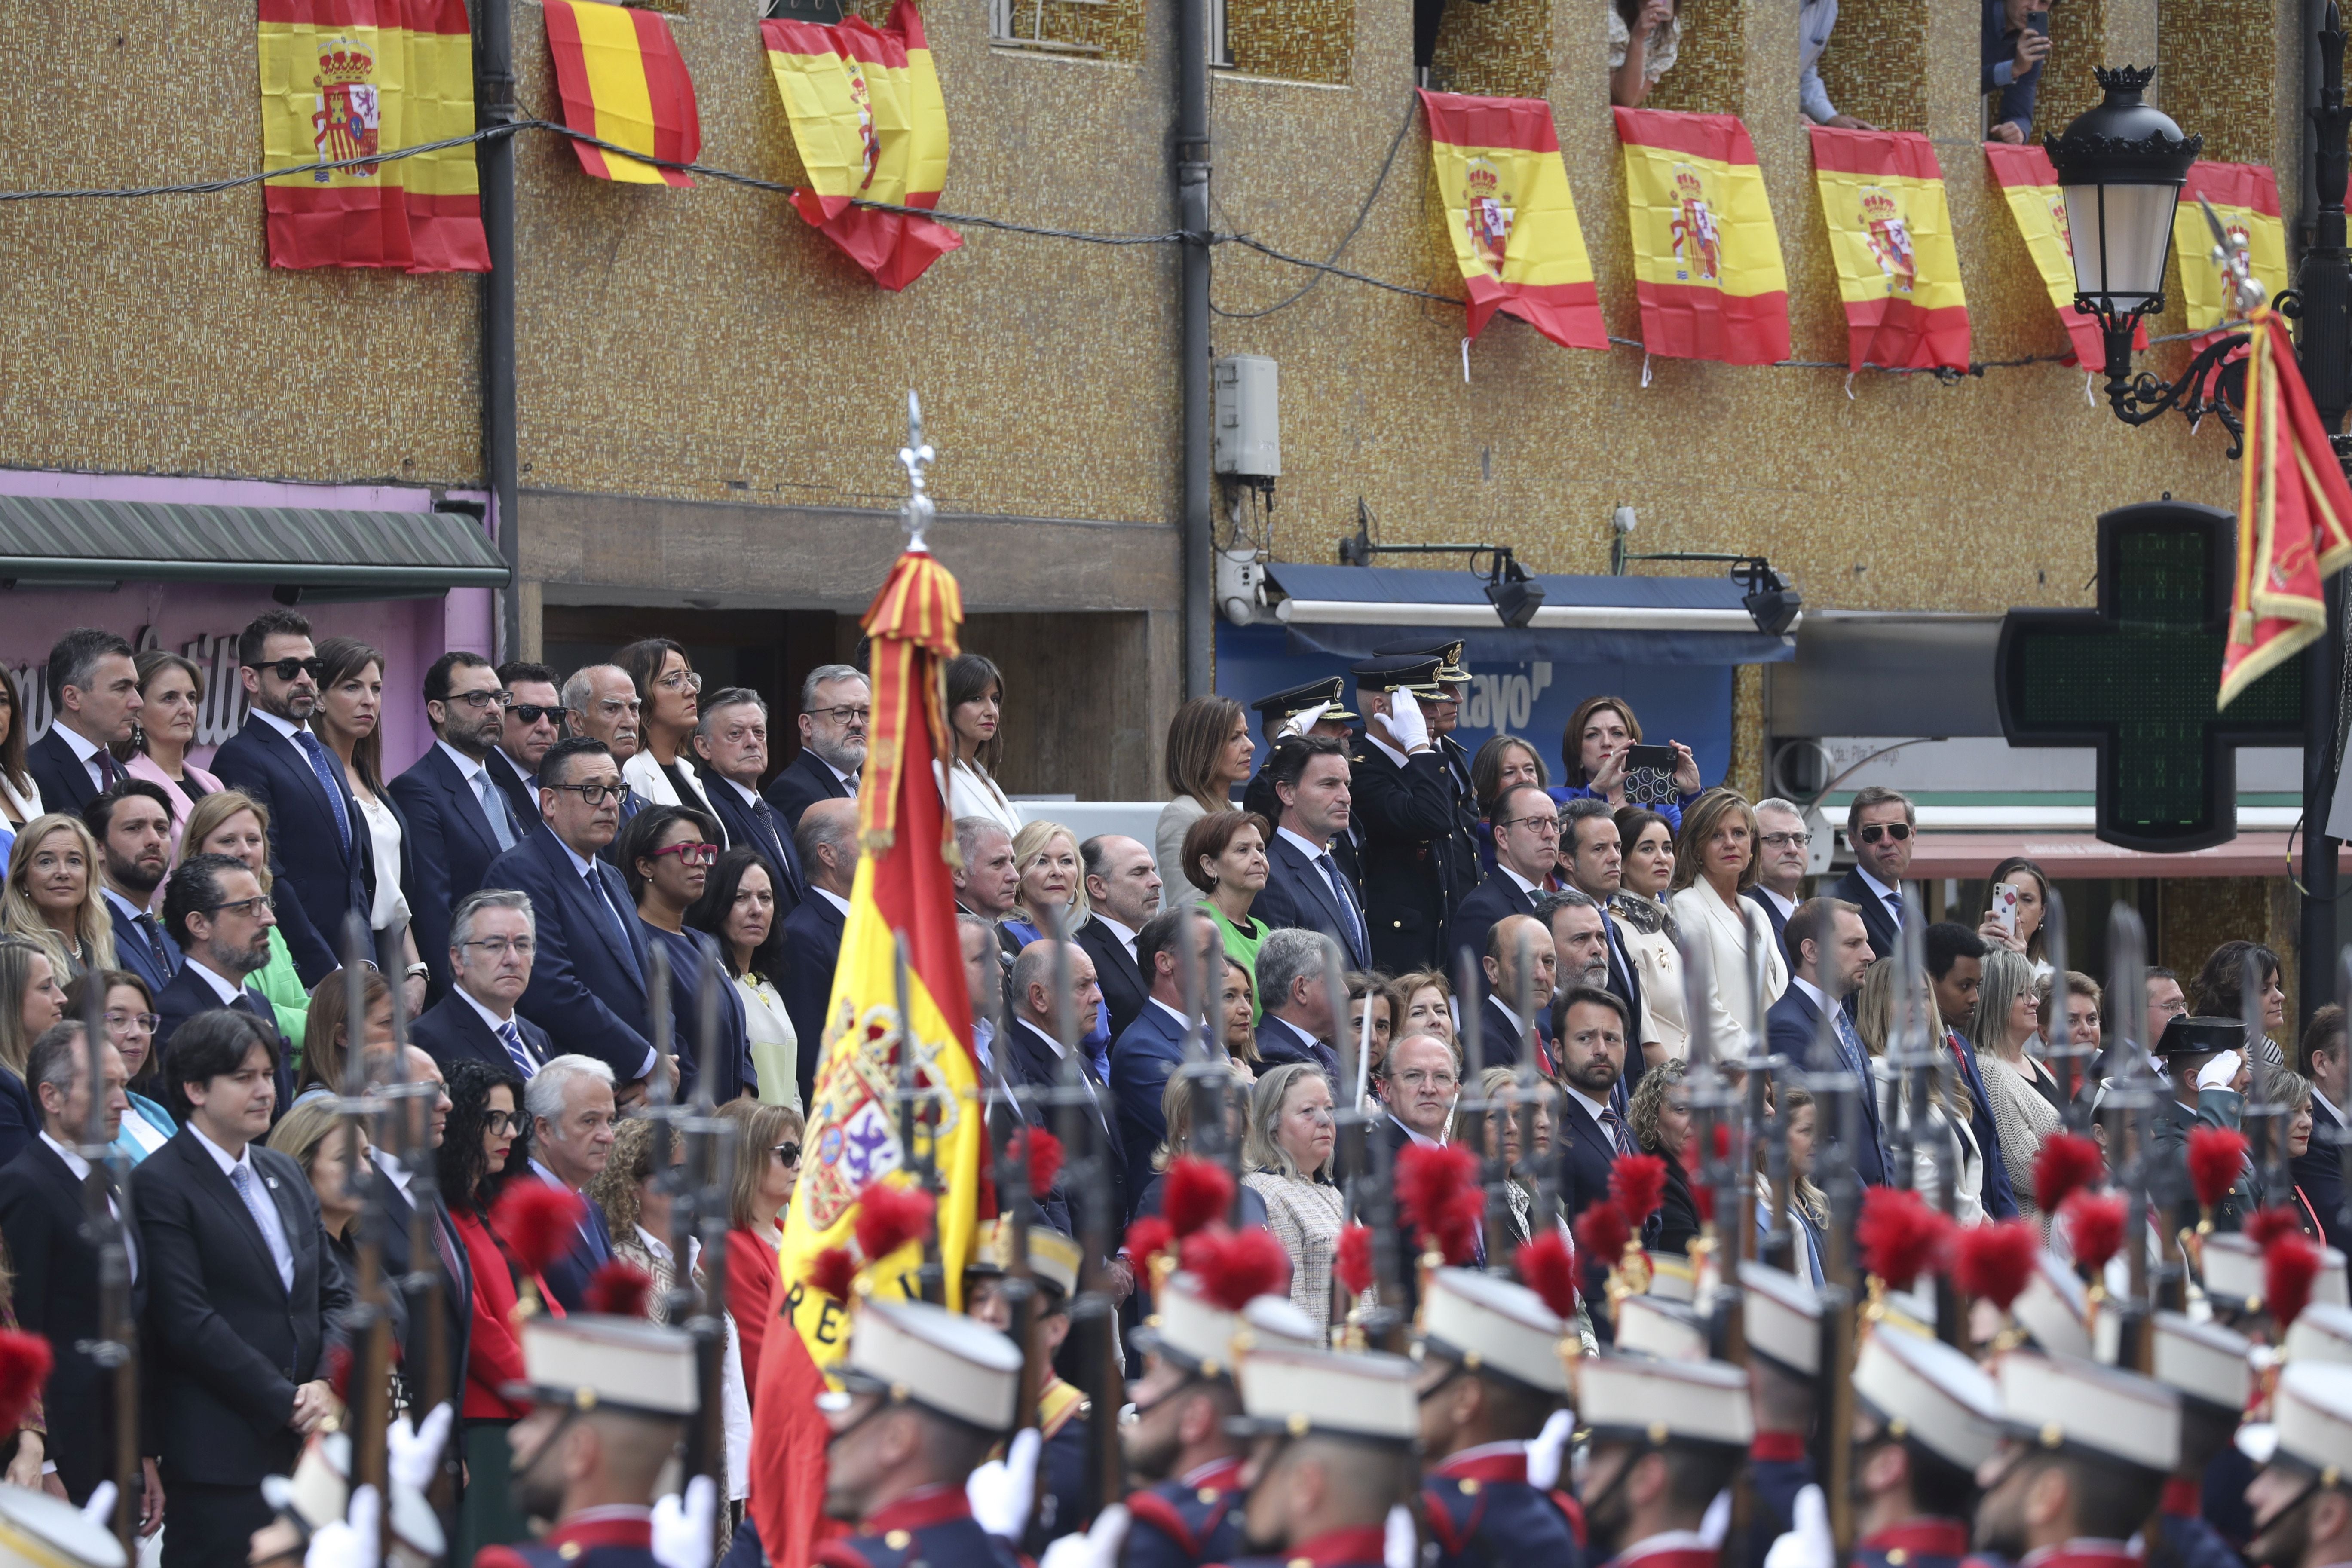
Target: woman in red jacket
(767,1166)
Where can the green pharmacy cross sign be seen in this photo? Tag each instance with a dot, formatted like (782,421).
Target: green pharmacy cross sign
(2136,679)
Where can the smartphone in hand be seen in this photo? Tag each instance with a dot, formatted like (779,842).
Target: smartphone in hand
(2004,906)
(1650,774)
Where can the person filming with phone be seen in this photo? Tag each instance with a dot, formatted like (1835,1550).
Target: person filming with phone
(2017,903)
(1603,759)
(2016,42)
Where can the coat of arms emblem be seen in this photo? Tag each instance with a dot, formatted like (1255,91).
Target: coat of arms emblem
(1699,245)
(1890,237)
(1488,213)
(348,117)
(855,1106)
(861,94)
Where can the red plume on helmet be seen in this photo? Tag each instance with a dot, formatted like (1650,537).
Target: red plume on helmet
(620,1289)
(2216,1155)
(2290,1266)
(888,1217)
(2095,1227)
(2068,1162)
(834,1272)
(1602,1231)
(1235,1268)
(1353,1261)
(537,1222)
(2266,1225)
(1995,1261)
(1147,1237)
(1638,1185)
(1041,1151)
(1901,1237)
(1548,1268)
(1196,1192)
(1429,1181)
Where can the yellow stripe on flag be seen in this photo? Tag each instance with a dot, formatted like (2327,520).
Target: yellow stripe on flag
(423,90)
(1892,234)
(616,78)
(1701,221)
(1542,244)
(826,119)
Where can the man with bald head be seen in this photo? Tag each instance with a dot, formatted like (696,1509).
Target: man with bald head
(1505,1027)
(1122,895)
(1031,1054)
(827,841)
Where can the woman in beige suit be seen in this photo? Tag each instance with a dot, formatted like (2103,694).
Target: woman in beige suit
(1652,937)
(1715,862)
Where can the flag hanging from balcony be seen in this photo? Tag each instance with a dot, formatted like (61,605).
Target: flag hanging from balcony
(2025,176)
(1706,260)
(902,889)
(2295,514)
(871,125)
(1891,232)
(1511,216)
(2246,198)
(345,79)
(622,80)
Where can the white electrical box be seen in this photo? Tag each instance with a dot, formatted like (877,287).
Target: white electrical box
(1249,417)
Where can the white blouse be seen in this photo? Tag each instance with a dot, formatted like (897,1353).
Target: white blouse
(1731,935)
(972,793)
(389,911)
(775,1045)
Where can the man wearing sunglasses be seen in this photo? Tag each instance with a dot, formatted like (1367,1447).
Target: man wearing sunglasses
(458,814)
(534,719)
(1882,827)
(317,835)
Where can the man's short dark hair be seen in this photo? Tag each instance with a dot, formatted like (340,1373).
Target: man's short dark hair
(1594,996)
(1502,808)
(1576,813)
(1812,921)
(209,1045)
(278,622)
(2158,972)
(515,671)
(1946,942)
(73,661)
(555,768)
(1291,753)
(100,813)
(51,1062)
(1163,933)
(1559,898)
(437,673)
(1869,795)
(2325,1031)
(195,888)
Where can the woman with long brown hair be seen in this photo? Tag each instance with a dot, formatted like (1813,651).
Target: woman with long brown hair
(349,718)
(1210,755)
(1592,750)
(975,704)
(20,797)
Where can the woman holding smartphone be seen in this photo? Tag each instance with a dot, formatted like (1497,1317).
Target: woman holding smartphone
(2018,894)
(1598,749)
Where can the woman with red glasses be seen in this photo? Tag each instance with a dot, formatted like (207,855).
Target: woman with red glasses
(666,853)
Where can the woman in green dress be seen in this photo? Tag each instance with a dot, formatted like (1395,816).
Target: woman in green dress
(1224,856)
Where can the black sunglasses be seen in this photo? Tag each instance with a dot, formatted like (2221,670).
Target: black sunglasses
(1897,831)
(533,712)
(288,668)
(790,1153)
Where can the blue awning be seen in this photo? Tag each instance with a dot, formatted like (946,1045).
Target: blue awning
(1349,611)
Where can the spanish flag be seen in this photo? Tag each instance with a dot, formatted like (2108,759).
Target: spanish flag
(1891,231)
(349,79)
(2295,514)
(2246,197)
(902,890)
(622,80)
(1706,260)
(2025,176)
(1511,217)
(871,125)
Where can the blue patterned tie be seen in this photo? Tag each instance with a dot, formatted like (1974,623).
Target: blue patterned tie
(329,782)
(603,897)
(1347,905)
(514,1048)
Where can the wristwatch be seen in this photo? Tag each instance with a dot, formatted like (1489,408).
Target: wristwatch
(416,971)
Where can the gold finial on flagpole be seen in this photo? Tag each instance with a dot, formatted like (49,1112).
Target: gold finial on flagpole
(2229,254)
(915,456)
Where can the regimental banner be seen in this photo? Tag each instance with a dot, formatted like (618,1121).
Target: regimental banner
(1511,217)
(348,79)
(2026,177)
(622,80)
(1891,231)
(2245,197)
(871,124)
(1706,260)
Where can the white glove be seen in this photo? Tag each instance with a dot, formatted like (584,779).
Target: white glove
(100,1509)
(416,1451)
(1808,1545)
(1407,728)
(683,1526)
(1545,1453)
(1097,1548)
(1305,720)
(350,1542)
(1716,1523)
(1001,1490)
(1402,1547)
(2219,1072)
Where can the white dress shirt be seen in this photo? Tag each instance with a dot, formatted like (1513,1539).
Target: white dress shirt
(265,1212)
(86,750)
(1126,937)
(228,991)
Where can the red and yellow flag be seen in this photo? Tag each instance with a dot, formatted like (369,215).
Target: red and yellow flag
(2295,514)
(2026,177)
(349,79)
(902,890)
(622,80)
(1706,260)
(871,125)
(1511,216)
(2246,198)
(1891,231)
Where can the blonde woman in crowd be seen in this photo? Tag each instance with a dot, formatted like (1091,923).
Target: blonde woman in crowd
(1715,863)
(1287,1153)
(232,823)
(53,896)
(2024,1091)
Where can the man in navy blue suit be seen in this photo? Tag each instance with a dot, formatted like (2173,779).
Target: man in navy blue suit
(318,837)
(827,842)
(132,823)
(1594,1025)
(1122,895)
(457,816)
(1143,1058)
(93,702)
(216,910)
(1502,1029)
(492,941)
(1300,1019)
(534,722)
(1304,885)
(1954,959)
(1882,827)
(1527,847)
(730,741)
(837,707)
(1828,948)
(588,974)
(1783,843)
(569,1104)
(1593,860)
(2318,1171)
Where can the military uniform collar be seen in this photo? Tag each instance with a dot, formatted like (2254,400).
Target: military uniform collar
(616,1524)
(919,1509)
(1487,1463)
(1926,1536)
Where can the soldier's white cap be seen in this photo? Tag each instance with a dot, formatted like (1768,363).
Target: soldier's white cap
(1196,1333)
(2232,1270)
(1311,1393)
(2206,1363)
(1666,1330)
(1656,1401)
(945,1362)
(2053,1309)
(1673,1278)
(1276,1321)
(320,1491)
(2311,1409)
(38,1531)
(592,1362)
(2079,1407)
(2320,1333)
(1054,1257)
(1925,1392)
(1494,1326)
(1783,1319)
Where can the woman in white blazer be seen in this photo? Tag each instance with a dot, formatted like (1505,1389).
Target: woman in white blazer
(1715,862)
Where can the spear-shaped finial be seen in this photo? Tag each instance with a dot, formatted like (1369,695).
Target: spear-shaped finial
(2237,268)
(914,457)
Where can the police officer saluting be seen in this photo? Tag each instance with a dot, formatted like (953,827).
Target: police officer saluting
(1417,858)
(1493,1397)
(1929,1416)
(1667,1436)
(2082,1466)
(1334,1440)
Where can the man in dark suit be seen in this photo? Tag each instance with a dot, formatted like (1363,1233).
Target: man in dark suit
(1954,959)
(588,972)
(1881,827)
(458,817)
(1782,845)
(730,741)
(1122,895)
(1417,860)
(1301,1019)
(1527,847)
(1305,886)
(1147,1052)
(534,722)
(1592,1132)
(491,946)
(93,702)
(827,842)
(1503,1029)
(44,1209)
(318,837)
(1419,1083)
(428,1116)
(837,707)
(132,823)
(569,1104)
(1594,860)
(243,1292)
(215,909)
(2319,1170)
(1032,1057)
(1829,952)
